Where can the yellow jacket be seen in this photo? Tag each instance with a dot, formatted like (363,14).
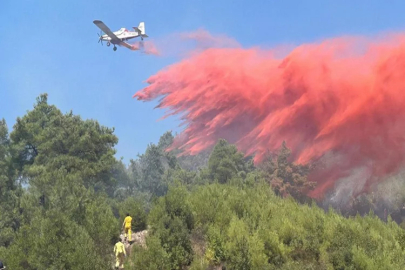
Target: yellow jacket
(119,248)
(128,221)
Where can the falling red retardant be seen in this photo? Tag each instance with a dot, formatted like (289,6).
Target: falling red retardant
(341,98)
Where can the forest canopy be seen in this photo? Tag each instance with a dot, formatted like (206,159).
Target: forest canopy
(64,195)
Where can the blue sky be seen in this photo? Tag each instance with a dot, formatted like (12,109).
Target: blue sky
(51,46)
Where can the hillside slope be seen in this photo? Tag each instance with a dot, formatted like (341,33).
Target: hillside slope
(241,226)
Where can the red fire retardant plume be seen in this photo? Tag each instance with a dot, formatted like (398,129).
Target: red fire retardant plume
(342,97)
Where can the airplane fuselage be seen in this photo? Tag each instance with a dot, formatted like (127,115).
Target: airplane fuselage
(123,34)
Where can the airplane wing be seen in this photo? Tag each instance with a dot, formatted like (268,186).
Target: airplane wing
(106,30)
(129,46)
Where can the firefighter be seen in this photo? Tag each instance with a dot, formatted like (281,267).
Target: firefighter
(127,226)
(120,254)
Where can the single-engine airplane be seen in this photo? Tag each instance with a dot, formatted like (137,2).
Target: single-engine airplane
(119,37)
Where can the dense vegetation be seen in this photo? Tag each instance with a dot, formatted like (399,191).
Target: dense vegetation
(63,196)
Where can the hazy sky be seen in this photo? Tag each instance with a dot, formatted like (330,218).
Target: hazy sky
(51,46)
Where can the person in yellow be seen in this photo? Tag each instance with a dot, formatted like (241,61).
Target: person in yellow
(127,225)
(120,254)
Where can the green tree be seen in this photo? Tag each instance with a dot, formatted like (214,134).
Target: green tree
(169,159)
(49,142)
(10,190)
(152,170)
(135,207)
(226,162)
(286,178)
(54,241)
(154,257)
(171,221)
(194,162)
(125,184)
(69,164)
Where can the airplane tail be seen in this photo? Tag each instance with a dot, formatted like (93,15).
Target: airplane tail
(141,27)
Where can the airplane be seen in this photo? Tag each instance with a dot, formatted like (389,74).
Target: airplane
(119,37)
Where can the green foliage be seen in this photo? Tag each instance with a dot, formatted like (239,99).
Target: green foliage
(199,263)
(125,187)
(165,141)
(10,190)
(251,228)
(284,177)
(171,221)
(66,221)
(244,250)
(136,209)
(226,162)
(101,225)
(194,162)
(216,245)
(151,172)
(85,213)
(154,257)
(50,144)
(53,242)
(227,213)
(187,178)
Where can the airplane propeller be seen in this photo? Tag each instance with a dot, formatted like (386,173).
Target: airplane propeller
(100,38)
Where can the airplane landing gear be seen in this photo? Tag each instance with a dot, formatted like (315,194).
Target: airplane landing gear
(108,44)
(115,48)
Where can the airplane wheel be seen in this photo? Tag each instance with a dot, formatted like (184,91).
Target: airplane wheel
(108,44)
(115,48)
